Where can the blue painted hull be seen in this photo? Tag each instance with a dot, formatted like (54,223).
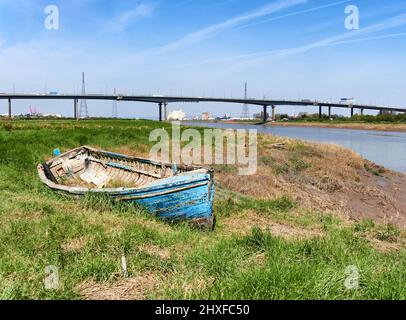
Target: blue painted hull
(174,199)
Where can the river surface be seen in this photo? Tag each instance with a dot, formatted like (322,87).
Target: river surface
(384,148)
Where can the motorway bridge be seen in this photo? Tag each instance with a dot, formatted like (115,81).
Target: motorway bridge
(163,101)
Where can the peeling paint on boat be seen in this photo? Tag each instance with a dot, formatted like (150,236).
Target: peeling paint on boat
(186,193)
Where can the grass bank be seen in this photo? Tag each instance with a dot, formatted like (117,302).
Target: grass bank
(271,244)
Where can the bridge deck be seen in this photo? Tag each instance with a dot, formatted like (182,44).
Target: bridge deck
(172,99)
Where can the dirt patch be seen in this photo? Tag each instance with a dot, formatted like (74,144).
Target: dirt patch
(163,253)
(380,198)
(75,244)
(136,152)
(385,246)
(197,285)
(127,289)
(323,178)
(248,220)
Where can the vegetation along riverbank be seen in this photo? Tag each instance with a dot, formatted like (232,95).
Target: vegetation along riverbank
(393,123)
(392,127)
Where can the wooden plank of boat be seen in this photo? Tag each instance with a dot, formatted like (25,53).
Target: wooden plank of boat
(170,192)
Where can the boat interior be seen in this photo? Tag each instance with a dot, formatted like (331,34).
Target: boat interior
(89,168)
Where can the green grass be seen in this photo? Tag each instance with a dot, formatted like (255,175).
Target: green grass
(86,238)
(294,163)
(378,173)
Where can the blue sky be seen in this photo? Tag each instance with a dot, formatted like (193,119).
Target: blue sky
(293,49)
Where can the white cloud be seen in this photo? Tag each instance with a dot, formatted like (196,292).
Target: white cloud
(120,22)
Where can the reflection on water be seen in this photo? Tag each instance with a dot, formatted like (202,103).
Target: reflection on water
(385,148)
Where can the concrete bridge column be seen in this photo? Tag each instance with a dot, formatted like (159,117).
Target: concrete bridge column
(160,111)
(265,115)
(273,113)
(362,111)
(329,112)
(9,108)
(166,111)
(320,112)
(75,109)
(352,112)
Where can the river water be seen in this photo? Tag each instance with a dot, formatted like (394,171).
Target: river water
(384,148)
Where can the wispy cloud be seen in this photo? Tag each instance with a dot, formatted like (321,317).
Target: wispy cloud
(345,38)
(210,31)
(382,37)
(292,14)
(120,22)
(391,23)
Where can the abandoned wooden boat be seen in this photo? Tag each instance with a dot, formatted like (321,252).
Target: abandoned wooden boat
(168,191)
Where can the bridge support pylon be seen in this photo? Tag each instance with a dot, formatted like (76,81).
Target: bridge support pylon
(166,111)
(320,112)
(10,115)
(273,113)
(362,111)
(160,111)
(75,109)
(352,112)
(265,114)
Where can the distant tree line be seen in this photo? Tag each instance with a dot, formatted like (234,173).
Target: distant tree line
(399,118)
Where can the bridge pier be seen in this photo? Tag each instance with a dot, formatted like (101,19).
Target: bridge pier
(320,112)
(352,112)
(273,113)
(166,111)
(75,109)
(329,112)
(160,111)
(362,111)
(10,115)
(265,115)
